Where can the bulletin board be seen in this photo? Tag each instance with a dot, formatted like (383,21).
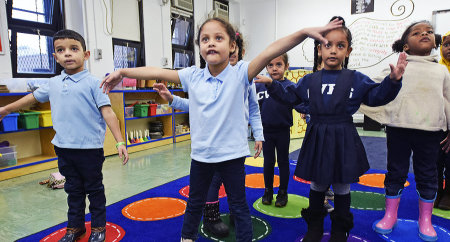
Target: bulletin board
(441,20)
(298,128)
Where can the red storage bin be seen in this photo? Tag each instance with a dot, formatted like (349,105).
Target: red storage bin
(152,109)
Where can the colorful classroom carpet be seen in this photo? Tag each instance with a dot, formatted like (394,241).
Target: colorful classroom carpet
(157,214)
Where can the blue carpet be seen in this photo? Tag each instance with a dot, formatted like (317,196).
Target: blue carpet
(282,229)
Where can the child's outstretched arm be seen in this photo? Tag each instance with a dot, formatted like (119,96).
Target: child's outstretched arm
(285,44)
(398,70)
(174,101)
(23,102)
(113,124)
(143,73)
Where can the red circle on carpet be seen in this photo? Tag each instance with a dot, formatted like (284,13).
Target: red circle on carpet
(256,180)
(296,178)
(113,233)
(185,191)
(374,180)
(157,208)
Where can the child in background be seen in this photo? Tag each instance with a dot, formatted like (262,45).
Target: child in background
(217,117)
(443,195)
(211,213)
(332,152)
(277,122)
(79,111)
(414,126)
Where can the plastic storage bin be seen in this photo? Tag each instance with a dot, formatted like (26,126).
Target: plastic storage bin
(8,159)
(9,122)
(152,109)
(45,118)
(141,110)
(8,149)
(129,112)
(29,120)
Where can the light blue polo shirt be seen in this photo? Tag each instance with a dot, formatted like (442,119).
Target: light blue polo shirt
(75,103)
(217,112)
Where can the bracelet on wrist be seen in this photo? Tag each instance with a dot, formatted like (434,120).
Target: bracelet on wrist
(119,144)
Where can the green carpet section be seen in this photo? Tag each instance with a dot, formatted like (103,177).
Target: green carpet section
(367,200)
(261,228)
(292,209)
(441,213)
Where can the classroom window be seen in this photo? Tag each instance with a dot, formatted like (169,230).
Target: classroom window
(182,40)
(182,58)
(128,35)
(32,23)
(127,54)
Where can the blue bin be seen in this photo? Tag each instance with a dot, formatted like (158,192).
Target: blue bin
(9,123)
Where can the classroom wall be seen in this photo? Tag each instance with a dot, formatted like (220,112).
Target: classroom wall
(260,21)
(266,20)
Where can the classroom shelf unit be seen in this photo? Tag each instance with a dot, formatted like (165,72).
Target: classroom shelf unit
(35,151)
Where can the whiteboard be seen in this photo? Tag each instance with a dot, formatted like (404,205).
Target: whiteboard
(441,21)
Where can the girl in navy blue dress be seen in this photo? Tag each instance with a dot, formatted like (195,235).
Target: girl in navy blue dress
(332,152)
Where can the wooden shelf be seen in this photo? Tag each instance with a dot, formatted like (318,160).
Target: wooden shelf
(150,141)
(35,162)
(24,130)
(158,115)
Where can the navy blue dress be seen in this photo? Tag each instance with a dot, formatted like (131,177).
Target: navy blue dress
(332,151)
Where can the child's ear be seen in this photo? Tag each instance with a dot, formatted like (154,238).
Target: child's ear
(87,54)
(405,48)
(54,56)
(349,50)
(233,47)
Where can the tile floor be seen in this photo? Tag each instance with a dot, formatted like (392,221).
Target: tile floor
(27,207)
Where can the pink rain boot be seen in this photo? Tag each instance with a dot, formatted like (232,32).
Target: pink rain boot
(385,225)
(426,230)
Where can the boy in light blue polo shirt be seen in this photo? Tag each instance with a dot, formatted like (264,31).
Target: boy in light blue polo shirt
(79,111)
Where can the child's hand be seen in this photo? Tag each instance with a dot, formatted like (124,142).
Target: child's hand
(123,154)
(3,112)
(397,71)
(163,92)
(110,81)
(258,148)
(446,143)
(317,32)
(263,79)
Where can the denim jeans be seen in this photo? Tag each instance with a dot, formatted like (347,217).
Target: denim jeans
(232,173)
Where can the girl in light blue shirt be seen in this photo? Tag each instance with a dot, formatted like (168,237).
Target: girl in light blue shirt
(217,115)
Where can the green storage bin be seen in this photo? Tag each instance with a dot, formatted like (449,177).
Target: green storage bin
(141,110)
(29,120)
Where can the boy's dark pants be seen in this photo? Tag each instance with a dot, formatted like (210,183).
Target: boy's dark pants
(83,171)
(232,173)
(425,149)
